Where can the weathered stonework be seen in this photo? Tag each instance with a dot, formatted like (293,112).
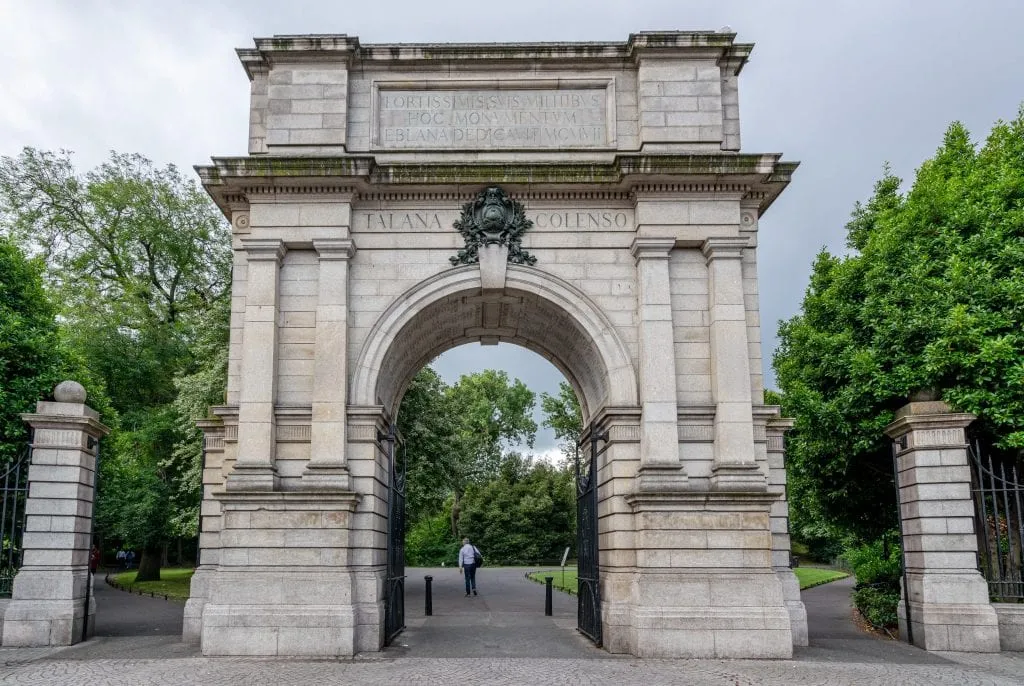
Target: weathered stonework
(49,604)
(637,279)
(948,597)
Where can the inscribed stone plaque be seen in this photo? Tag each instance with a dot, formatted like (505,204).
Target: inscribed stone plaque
(568,116)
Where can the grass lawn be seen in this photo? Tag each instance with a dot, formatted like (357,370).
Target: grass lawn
(568,584)
(814,576)
(174,583)
(808,576)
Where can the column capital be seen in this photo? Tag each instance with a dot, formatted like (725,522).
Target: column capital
(724,248)
(264,249)
(652,248)
(334,248)
(927,415)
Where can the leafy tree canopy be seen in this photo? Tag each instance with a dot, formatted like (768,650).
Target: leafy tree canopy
(930,298)
(139,262)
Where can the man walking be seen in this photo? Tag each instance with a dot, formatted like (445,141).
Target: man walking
(468,556)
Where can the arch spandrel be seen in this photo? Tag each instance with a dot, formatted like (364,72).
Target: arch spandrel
(536,310)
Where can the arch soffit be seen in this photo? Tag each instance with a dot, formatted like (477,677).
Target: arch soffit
(619,386)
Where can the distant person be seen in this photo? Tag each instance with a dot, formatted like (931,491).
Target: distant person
(94,559)
(120,558)
(129,559)
(469,560)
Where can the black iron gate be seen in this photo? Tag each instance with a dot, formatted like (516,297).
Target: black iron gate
(999,521)
(588,612)
(394,582)
(13,494)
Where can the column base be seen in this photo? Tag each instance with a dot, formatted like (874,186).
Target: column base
(192,620)
(739,616)
(735,478)
(283,585)
(317,477)
(951,627)
(661,479)
(1011,625)
(255,478)
(703,585)
(795,606)
(291,630)
(48,608)
(955,613)
(36,623)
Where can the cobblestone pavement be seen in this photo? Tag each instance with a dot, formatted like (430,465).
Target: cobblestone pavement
(512,645)
(1001,669)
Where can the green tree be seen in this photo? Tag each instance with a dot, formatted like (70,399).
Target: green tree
(31,362)
(930,299)
(525,515)
(140,261)
(562,414)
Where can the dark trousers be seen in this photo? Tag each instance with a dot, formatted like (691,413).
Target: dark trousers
(469,571)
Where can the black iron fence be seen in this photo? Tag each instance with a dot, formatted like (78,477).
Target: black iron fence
(588,619)
(13,496)
(999,521)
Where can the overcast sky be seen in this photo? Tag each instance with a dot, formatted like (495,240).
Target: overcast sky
(841,86)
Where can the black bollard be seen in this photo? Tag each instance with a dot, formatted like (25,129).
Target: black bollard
(547,595)
(428,602)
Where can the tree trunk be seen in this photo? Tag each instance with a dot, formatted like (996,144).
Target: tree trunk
(149,563)
(455,516)
(165,555)
(181,554)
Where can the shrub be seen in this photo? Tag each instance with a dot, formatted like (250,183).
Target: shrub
(878,568)
(429,543)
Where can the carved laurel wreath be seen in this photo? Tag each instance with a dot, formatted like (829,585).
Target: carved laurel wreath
(493,217)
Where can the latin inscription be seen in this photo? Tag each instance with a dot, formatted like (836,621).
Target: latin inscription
(463,118)
(412,221)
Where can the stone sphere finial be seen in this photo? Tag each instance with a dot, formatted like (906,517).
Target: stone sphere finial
(69,392)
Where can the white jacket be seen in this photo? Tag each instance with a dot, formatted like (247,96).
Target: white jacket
(466,554)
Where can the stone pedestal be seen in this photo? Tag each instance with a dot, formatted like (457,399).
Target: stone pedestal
(284,582)
(781,547)
(48,604)
(704,585)
(949,605)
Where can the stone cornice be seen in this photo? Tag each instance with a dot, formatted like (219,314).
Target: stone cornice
(346,50)
(764,174)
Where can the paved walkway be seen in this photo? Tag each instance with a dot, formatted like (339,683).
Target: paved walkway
(501,637)
(505,620)
(119,613)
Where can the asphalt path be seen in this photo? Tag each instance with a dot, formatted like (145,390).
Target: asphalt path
(506,619)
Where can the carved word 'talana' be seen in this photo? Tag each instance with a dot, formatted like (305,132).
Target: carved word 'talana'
(493,217)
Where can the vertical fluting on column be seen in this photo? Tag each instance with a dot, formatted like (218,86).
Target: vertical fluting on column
(735,467)
(327,466)
(254,469)
(660,467)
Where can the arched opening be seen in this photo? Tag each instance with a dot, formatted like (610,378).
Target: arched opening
(535,311)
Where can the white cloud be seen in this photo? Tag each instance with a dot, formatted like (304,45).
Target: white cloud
(840,86)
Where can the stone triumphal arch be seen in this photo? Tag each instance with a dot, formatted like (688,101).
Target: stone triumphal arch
(586,200)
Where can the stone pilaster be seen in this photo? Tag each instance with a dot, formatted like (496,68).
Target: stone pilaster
(48,605)
(327,461)
(735,467)
(209,528)
(254,468)
(781,545)
(660,466)
(949,602)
